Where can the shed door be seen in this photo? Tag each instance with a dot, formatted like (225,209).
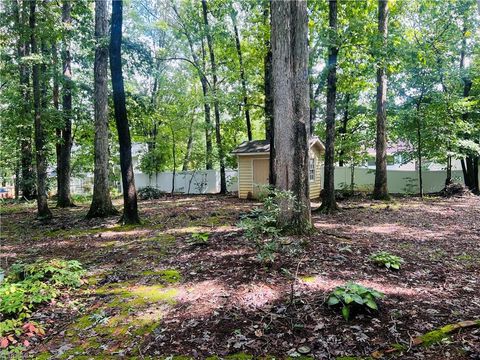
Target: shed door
(260,174)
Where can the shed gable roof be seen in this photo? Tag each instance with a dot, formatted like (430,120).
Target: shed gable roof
(263,146)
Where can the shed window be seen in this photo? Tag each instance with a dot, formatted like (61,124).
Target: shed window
(311,169)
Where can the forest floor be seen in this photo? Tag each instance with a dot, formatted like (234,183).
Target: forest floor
(150,293)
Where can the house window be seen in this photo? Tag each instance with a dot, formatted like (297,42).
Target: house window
(311,169)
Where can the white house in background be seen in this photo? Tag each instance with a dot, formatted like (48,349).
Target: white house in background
(397,161)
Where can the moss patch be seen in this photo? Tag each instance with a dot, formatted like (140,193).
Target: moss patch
(169,275)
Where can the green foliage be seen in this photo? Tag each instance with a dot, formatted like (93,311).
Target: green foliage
(354,296)
(198,239)
(384,258)
(149,193)
(29,285)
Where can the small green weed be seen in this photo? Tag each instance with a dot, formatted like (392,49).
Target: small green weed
(198,239)
(352,295)
(384,258)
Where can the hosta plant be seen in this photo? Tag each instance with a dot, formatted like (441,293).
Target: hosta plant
(352,296)
(386,259)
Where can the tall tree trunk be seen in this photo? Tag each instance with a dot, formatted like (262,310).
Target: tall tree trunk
(188,153)
(130,208)
(65,149)
(216,106)
(328,197)
(380,190)
(101,202)
(267,84)
(26,179)
(291,110)
(243,80)
(419,149)
(42,205)
(343,131)
(470,163)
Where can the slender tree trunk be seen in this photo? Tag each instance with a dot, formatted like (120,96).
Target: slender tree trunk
(188,153)
(268,90)
(130,208)
(328,198)
(42,205)
(174,156)
(343,131)
(242,75)
(291,110)
(448,180)
(380,190)
(101,202)
(470,163)
(26,179)
(65,149)
(419,149)
(216,107)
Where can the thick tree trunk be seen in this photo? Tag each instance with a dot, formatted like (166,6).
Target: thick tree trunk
(65,149)
(26,179)
(130,208)
(380,190)
(328,197)
(242,76)
(216,106)
(42,205)
(101,202)
(291,110)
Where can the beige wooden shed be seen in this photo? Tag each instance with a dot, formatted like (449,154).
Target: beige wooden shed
(253,167)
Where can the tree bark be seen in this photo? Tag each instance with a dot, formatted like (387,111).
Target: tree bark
(419,149)
(329,203)
(101,202)
(216,106)
(65,148)
(26,179)
(380,190)
(130,207)
(289,34)
(42,205)
(243,80)
(267,83)
(343,130)
(188,153)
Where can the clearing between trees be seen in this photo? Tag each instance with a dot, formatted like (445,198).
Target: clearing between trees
(188,283)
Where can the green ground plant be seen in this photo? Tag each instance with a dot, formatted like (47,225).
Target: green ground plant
(384,258)
(352,296)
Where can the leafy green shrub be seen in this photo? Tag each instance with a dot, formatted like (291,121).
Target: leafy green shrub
(149,193)
(261,224)
(29,285)
(352,296)
(386,259)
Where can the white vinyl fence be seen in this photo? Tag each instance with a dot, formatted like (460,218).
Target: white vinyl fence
(208,181)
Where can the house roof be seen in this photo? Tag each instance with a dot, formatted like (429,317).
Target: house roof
(263,146)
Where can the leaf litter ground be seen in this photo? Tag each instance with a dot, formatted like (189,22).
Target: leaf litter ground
(151,293)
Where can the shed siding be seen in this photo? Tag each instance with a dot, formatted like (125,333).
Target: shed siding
(245,176)
(315,187)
